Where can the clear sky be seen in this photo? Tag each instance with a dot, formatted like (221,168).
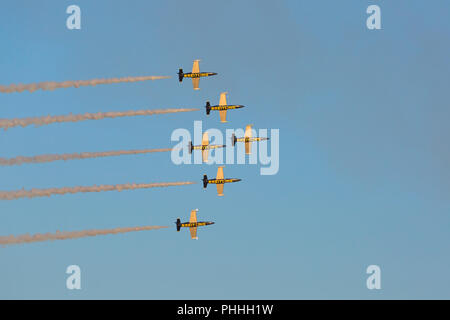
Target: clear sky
(364,155)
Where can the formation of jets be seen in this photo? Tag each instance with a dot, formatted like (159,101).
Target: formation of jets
(248,138)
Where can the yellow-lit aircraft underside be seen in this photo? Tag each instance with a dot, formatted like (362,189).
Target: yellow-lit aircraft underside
(219,181)
(247,139)
(222,107)
(192,224)
(205,147)
(195,75)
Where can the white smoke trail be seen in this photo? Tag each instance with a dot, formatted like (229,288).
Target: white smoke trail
(40,121)
(27,238)
(72,156)
(51,85)
(17,194)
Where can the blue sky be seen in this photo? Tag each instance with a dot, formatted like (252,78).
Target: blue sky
(364,158)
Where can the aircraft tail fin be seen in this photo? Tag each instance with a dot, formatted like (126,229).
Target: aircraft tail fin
(208,108)
(178,224)
(205,181)
(191,147)
(233,139)
(180,75)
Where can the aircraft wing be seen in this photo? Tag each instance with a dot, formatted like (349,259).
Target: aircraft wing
(205,139)
(219,189)
(193,217)
(219,172)
(205,154)
(193,231)
(223,115)
(223,99)
(196,83)
(195,67)
(248,147)
(248,131)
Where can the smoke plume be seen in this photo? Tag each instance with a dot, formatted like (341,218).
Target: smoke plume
(73,156)
(51,85)
(17,194)
(40,121)
(27,238)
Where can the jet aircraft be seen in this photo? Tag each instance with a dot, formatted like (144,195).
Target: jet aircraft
(195,75)
(205,147)
(247,139)
(219,181)
(222,107)
(192,224)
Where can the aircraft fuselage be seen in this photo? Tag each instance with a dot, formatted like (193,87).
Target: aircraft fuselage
(226,107)
(247,139)
(223,181)
(208,147)
(195,224)
(198,74)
